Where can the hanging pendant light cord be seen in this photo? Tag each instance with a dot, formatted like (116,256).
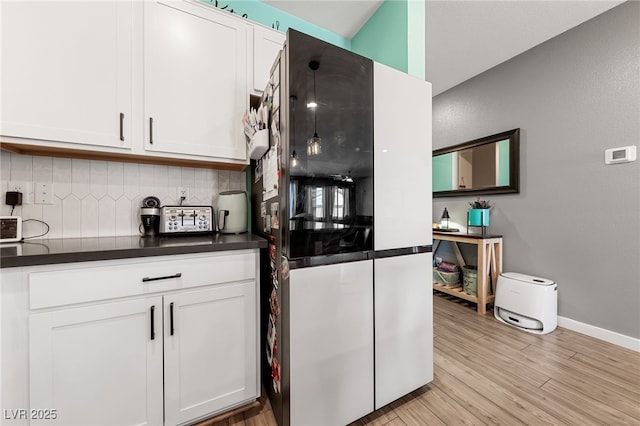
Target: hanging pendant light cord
(313,144)
(314,65)
(315,110)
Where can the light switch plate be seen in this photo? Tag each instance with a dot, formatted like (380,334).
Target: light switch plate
(43,193)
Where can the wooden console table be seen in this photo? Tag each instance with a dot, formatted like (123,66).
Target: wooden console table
(489,265)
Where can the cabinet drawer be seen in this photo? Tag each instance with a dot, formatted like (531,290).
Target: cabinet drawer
(87,282)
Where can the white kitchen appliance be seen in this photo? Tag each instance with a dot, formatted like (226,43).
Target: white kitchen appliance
(11,229)
(232,212)
(526,302)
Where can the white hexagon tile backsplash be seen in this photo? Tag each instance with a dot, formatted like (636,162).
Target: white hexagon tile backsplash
(102,198)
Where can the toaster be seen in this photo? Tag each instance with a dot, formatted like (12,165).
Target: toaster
(191,220)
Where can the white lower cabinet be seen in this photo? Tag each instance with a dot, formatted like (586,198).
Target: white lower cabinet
(331,330)
(98,364)
(209,350)
(180,344)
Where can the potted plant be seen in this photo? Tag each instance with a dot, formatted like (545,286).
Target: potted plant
(479,212)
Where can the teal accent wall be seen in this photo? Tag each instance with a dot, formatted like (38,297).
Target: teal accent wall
(393,36)
(442,167)
(503,163)
(267,15)
(383,37)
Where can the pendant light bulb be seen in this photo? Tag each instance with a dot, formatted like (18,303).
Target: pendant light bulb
(294,159)
(314,145)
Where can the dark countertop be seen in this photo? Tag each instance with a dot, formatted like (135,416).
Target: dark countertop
(65,250)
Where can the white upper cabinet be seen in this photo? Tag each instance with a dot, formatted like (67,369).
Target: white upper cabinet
(195,80)
(402,159)
(66,71)
(266,45)
(162,79)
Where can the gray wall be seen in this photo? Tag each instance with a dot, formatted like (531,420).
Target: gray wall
(575,220)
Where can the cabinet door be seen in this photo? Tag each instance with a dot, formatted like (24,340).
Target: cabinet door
(266,45)
(66,71)
(211,358)
(402,160)
(404,325)
(331,335)
(98,364)
(195,80)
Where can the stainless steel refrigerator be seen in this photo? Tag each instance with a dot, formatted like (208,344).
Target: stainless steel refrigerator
(344,196)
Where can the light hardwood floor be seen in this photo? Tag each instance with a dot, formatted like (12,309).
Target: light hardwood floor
(490,373)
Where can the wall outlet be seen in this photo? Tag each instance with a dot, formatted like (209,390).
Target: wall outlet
(183,191)
(20,186)
(43,193)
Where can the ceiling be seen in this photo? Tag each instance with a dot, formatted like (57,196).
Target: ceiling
(342,17)
(463,38)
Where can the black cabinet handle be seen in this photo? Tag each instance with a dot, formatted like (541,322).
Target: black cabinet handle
(147,279)
(122,127)
(153,326)
(151,130)
(171,318)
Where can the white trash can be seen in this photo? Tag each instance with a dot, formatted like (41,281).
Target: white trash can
(526,302)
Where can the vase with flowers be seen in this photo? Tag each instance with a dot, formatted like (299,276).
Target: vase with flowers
(478,214)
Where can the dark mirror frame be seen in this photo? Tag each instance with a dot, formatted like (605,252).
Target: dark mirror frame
(514,165)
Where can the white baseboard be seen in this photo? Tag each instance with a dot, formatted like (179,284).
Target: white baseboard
(600,333)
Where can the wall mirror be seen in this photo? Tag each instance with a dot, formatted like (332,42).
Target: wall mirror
(489,165)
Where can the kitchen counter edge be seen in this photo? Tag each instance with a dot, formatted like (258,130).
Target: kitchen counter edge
(68,250)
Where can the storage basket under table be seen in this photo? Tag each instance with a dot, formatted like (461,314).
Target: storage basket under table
(450,279)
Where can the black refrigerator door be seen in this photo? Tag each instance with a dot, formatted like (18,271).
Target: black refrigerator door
(330,130)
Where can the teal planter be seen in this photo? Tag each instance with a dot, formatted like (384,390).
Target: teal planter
(478,217)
